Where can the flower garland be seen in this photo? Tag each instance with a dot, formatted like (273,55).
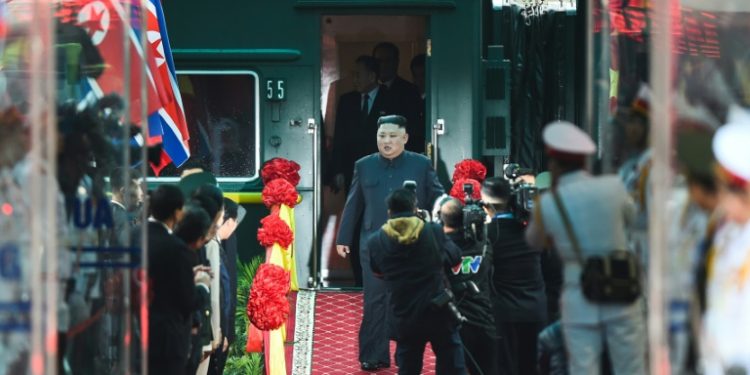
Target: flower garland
(457,191)
(278,192)
(469,168)
(280,168)
(274,230)
(268,307)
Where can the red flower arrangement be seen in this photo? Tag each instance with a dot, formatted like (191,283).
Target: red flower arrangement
(279,191)
(267,306)
(457,191)
(280,168)
(469,168)
(274,230)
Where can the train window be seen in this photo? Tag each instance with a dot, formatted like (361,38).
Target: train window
(221,108)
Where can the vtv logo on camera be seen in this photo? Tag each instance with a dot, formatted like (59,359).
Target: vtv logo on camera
(468,265)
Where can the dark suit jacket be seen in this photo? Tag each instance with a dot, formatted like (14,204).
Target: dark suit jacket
(173,295)
(518,293)
(374,178)
(410,105)
(356,135)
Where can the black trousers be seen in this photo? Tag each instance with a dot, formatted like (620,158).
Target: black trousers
(446,344)
(480,348)
(354,257)
(517,347)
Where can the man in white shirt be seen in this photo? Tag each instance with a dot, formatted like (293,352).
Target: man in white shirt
(600,211)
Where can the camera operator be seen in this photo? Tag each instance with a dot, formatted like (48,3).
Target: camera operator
(518,287)
(411,256)
(470,282)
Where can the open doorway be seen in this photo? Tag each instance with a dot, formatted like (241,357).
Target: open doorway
(345,39)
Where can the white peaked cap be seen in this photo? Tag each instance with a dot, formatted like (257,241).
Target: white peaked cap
(731,147)
(564,137)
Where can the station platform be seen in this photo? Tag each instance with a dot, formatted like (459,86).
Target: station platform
(326,331)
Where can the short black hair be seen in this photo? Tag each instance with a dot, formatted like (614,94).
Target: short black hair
(451,213)
(418,60)
(370,63)
(165,200)
(401,201)
(387,45)
(498,188)
(393,119)
(230,209)
(211,192)
(117,177)
(194,224)
(208,205)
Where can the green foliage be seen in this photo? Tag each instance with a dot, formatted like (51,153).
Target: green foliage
(238,361)
(248,364)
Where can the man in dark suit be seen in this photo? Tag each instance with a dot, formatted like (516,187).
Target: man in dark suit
(126,198)
(375,176)
(176,287)
(356,121)
(518,294)
(405,94)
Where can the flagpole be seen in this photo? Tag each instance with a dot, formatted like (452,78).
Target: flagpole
(126,92)
(143,295)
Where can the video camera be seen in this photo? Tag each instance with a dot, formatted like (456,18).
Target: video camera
(411,185)
(446,300)
(474,215)
(522,192)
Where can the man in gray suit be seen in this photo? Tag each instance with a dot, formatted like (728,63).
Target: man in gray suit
(375,176)
(600,211)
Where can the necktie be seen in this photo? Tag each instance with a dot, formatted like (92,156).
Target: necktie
(365,105)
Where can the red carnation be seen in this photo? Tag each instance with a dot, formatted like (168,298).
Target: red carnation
(274,230)
(469,168)
(267,306)
(280,168)
(457,191)
(279,191)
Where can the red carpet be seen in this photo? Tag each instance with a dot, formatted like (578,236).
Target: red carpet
(337,318)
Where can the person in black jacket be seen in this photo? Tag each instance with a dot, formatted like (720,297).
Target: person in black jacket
(470,281)
(405,94)
(177,288)
(411,256)
(518,286)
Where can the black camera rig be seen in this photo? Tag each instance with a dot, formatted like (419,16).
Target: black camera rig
(474,216)
(523,194)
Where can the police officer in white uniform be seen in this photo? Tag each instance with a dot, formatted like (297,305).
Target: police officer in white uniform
(726,325)
(600,211)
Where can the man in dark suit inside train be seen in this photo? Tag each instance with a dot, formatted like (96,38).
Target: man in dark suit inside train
(376,176)
(356,121)
(405,93)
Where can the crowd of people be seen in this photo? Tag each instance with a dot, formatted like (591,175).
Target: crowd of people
(562,291)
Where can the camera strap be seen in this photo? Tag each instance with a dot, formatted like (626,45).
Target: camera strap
(568,227)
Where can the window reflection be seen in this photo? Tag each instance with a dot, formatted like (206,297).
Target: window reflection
(221,116)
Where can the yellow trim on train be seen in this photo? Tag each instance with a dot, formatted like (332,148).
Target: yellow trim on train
(250,197)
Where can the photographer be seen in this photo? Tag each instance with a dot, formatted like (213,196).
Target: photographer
(518,287)
(470,282)
(411,256)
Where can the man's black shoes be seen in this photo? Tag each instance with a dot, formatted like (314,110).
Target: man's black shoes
(373,366)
